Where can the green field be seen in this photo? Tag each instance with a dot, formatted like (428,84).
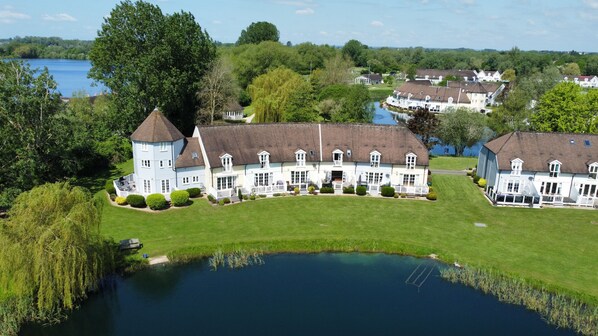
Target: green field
(555,247)
(452,163)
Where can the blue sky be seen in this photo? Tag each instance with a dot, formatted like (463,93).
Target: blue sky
(479,24)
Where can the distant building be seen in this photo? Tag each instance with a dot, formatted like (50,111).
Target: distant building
(369,79)
(583,81)
(437,76)
(488,75)
(233,111)
(532,169)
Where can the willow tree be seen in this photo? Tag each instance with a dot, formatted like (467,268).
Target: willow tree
(272,92)
(52,253)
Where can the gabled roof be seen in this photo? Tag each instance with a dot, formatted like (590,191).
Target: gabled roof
(282,140)
(190,155)
(233,106)
(436,93)
(475,87)
(435,74)
(156,128)
(537,150)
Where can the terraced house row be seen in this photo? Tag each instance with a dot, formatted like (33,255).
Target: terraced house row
(273,158)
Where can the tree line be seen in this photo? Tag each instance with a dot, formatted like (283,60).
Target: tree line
(44,47)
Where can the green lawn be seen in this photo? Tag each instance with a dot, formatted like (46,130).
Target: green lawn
(557,247)
(452,163)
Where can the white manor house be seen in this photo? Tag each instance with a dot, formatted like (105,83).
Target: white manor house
(273,158)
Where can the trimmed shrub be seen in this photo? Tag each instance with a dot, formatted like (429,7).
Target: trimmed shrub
(136,201)
(226,200)
(112,197)
(387,191)
(179,197)
(221,202)
(396,195)
(326,190)
(482,183)
(476,179)
(311,189)
(120,200)
(245,197)
(432,196)
(349,190)
(240,195)
(212,199)
(263,195)
(194,192)
(296,190)
(403,195)
(276,194)
(252,197)
(361,190)
(109,186)
(156,202)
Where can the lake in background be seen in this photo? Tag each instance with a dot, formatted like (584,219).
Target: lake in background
(316,294)
(70,75)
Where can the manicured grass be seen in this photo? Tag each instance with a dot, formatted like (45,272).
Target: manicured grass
(555,247)
(452,163)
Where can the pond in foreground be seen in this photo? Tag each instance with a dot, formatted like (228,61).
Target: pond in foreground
(320,294)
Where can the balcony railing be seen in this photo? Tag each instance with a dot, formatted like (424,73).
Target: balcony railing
(271,189)
(412,190)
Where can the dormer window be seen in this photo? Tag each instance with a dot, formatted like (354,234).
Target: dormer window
(450,100)
(411,160)
(144,146)
(554,168)
(427,98)
(163,146)
(300,158)
(516,167)
(375,159)
(593,171)
(337,157)
(264,159)
(227,162)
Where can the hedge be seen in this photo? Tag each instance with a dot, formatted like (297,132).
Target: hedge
(136,201)
(387,191)
(194,192)
(110,187)
(156,202)
(120,200)
(432,196)
(349,190)
(361,190)
(326,190)
(179,197)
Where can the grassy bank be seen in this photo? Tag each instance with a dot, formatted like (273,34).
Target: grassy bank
(555,247)
(452,163)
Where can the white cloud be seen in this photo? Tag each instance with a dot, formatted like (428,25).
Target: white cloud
(8,16)
(305,11)
(376,24)
(592,3)
(58,17)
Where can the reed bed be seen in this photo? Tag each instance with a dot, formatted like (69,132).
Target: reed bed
(237,259)
(558,309)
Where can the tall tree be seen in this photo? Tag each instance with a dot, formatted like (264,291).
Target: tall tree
(219,88)
(512,115)
(148,59)
(355,50)
(462,128)
(52,252)
(425,124)
(571,69)
(566,109)
(353,103)
(258,32)
(337,70)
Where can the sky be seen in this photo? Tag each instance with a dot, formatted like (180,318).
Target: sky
(478,24)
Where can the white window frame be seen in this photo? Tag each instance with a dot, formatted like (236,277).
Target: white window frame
(373,178)
(185,180)
(375,159)
(554,168)
(225,182)
(161,164)
(263,179)
(300,158)
(411,161)
(163,146)
(146,164)
(588,190)
(227,162)
(593,171)
(165,184)
(147,186)
(298,177)
(195,179)
(516,167)
(144,147)
(264,159)
(169,163)
(513,186)
(337,157)
(409,179)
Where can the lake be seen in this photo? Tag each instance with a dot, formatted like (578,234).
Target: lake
(317,294)
(70,75)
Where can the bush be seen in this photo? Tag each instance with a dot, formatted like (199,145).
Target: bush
(226,200)
(252,197)
(179,197)
(211,199)
(361,190)
(110,187)
(221,202)
(326,190)
(297,190)
(349,190)
(482,183)
(245,197)
(136,201)
(194,192)
(156,202)
(276,194)
(432,196)
(403,195)
(396,195)
(240,195)
(120,200)
(112,197)
(387,191)
(311,189)
(263,195)
(476,179)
